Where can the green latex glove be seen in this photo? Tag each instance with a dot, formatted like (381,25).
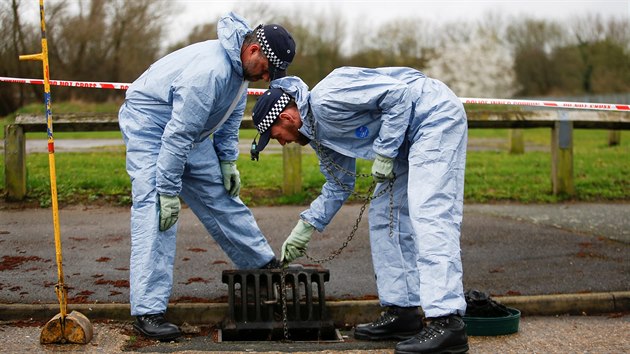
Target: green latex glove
(295,245)
(382,168)
(169,211)
(231,178)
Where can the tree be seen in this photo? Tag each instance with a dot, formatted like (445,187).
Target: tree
(319,43)
(199,33)
(405,42)
(20,39)
(135,36)
(604,56)
(76,45)
(475,60)
(101,40)
(532,42)
(591,68)
(116,40)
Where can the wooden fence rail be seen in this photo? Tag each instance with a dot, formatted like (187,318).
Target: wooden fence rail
(560,122)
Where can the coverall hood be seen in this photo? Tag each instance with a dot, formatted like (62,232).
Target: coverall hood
(296,88)
(231,30)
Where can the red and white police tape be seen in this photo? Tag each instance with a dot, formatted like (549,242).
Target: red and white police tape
(88,84)
(258,92)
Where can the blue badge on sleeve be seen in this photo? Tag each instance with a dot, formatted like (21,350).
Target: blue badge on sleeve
(361,132)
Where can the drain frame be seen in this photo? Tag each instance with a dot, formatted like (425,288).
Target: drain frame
(218,336)
(255,305)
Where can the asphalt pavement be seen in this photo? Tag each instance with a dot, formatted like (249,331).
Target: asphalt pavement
(549,260)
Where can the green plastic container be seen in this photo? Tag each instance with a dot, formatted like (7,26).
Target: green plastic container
(493,326)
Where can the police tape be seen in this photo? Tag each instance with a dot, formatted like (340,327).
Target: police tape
(88,84)
(550,104)
(258,92)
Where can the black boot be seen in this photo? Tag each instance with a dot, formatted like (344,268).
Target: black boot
(274,263)
(156,327)
(396,323)
(443,335)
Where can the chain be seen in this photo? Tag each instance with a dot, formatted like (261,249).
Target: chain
(283,299)
(329,164)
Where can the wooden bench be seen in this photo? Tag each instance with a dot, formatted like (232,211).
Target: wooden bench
(561,123)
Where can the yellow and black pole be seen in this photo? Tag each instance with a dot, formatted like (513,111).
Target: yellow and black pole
(75,327)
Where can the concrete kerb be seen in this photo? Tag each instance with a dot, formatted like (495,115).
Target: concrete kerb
(343,313)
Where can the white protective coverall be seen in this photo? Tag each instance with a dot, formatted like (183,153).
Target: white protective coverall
(398,113)
(167,118)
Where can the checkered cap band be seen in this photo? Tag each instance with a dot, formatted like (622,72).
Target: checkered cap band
(273,113)
(266,48)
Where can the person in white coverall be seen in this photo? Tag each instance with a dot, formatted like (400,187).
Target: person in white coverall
(415,130)
(180,123)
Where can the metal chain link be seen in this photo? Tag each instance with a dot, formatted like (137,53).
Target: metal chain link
(283,299)
(329,164)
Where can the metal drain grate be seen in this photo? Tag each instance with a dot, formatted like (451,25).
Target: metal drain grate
(255,304)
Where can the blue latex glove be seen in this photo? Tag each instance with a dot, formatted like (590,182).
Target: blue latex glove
(231,178)
(295,245)
(382,168)
(169,211)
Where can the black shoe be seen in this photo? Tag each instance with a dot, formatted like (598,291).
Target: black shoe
(480,304)
(274,263)
(156,327)
(443,335)
(396,323)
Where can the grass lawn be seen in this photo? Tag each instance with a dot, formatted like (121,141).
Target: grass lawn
(601,172)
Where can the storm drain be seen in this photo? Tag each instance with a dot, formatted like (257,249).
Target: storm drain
(255,305)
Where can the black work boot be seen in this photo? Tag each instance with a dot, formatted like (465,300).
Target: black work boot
(274,263)
(396,323)
(157,327)
(443,335)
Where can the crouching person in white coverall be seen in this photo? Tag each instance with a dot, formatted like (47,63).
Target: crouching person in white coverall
(167,119)
(415,130)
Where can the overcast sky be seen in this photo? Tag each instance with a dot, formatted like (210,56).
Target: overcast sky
(366,12)
(195,12)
